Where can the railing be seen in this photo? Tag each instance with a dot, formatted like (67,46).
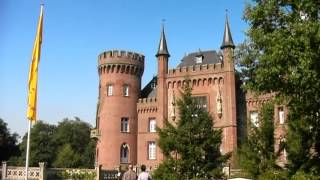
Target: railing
(43,173)
(16,173)
(94,133)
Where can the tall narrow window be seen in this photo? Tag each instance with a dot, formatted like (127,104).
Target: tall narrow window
(97,154)
(124,153)
(152,125)
(281,115)
(124,124)
(109,90)
(254,118)
(125,90)
(152,150)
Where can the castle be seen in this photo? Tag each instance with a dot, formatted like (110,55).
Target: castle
(127,116)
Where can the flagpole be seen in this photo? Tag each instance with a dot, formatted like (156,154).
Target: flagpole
(27,154)
(33,85)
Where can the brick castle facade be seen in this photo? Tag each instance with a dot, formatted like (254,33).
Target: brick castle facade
(127,116)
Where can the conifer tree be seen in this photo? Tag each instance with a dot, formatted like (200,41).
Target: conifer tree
(192,146)
(257,154)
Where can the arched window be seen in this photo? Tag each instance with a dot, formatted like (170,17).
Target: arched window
(124,153)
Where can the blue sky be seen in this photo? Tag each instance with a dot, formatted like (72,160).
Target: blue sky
(75,32)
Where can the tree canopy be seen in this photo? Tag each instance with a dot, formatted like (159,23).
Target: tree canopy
(282,55)
(66,145)
(192,145)
(8,142)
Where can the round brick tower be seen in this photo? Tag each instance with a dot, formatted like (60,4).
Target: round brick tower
(120,83)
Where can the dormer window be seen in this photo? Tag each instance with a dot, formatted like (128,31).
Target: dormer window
(220,55)
(199,59)
(153,84)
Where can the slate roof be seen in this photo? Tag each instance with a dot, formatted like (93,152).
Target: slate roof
(150,90)
(227,38)
(209,57)
(163,48)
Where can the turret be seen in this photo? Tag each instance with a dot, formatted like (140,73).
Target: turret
(230,131)
(120,83)
(162,90)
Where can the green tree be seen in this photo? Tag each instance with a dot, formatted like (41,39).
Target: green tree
(65,145)
(282,55)
(257,154)
(192,146)
(8,142)
(67,157)
(42,145)
(75,134)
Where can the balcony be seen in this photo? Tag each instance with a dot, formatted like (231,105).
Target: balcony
(94,133)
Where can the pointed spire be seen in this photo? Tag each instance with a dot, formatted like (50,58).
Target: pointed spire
(227,38)
(163,49)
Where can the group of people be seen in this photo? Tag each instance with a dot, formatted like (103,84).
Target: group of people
(131,175)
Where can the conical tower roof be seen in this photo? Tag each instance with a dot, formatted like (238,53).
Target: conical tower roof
(163,49)
(227,38)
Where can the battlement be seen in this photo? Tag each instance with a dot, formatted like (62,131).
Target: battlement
(147,100)
(121,54)
(147,105)
(195,69)
(119,61)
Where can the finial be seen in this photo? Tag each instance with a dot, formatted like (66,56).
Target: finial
(162,24)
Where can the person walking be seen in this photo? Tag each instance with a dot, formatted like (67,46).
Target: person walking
(129,174)
(144,175)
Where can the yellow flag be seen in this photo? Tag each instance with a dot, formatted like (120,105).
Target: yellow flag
(33,72)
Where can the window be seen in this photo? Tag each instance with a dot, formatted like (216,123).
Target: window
(152,150)
(124,124)
(97,155)
(254,118)
(199,59)
(201,101)
(153,85)
(281,115)
(125,90)
(221,148)
(284,154)
(109,90)
(124,153)
(152,125)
